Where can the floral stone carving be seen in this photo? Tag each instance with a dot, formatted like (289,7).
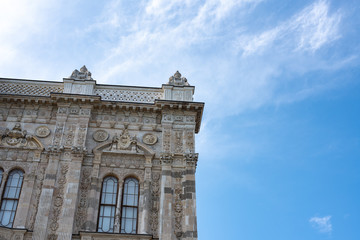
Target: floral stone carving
(149,139)
(100,135)
(42,131)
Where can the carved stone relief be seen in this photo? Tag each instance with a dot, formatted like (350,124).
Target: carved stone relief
(81,135)
(83,202)
(155,196)
(189,141)
(149,139)
(178,140)
(166,140)
(42,131)
(69,135)
(100,135)
(58,134)
(121,142)
(36,194)
(178,208)
(58,202)
(17,138)
(114,160)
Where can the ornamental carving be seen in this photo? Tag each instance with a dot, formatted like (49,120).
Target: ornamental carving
(38,89)
(81,135)
(178,208)
(100,135)
(177,80)
(69,136)
(58,134)
(58,202)
(166,158)
(83,202)
(83,74)
(113,160)
(122,142)
(191,159)
(149,139)
(36,193)
(15,136)
(166,140)
(189,141)
(178,141)
(155,196)
(20,139)
(42,131)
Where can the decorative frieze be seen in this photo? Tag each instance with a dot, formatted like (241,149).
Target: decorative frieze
(29,88)
(134,95)
(114,160)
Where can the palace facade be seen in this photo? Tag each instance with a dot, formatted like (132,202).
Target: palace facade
(81,160)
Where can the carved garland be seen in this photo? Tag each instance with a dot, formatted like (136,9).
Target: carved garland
(58,202)
(37,192)
(178,208)
(155,192)
(83,203)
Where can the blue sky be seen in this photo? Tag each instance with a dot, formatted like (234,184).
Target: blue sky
(280,139)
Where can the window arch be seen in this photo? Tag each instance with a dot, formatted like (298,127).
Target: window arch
(129,207)
(10,198)
(108,204)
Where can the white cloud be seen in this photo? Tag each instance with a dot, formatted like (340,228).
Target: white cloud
(143,42)
(322,224)
(309,30)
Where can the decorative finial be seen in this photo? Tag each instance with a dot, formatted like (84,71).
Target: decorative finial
(177,80)
(83,74)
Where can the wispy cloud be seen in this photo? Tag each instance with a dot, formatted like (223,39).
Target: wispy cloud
(309,30)
(322,224)
(210,42)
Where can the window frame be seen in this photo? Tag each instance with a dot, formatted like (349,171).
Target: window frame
(137,206)
(11,199)
(112,205)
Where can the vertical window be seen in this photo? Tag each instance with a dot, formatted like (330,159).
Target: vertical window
(10,198)
(108,205)
(129,209)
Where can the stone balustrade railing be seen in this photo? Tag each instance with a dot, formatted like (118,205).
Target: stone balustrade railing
(89,87)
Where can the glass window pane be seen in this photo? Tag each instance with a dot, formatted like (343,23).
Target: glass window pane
(11,198)
(108,205)
(130,205)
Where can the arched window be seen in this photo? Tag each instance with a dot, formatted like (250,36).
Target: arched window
(108,204)
(129,208)
(10,198)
